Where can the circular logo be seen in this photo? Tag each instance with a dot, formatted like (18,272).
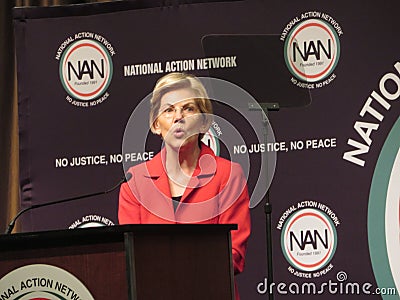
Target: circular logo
(40,281)
(309,239)
(211,140)
(86,69)
(312,50)
(91,221)
(384,213)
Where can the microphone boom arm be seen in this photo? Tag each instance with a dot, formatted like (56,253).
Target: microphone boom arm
(12,223)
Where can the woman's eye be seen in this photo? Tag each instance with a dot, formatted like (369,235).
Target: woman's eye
(169,109)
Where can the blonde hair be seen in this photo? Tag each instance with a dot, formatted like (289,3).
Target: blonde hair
(175,81)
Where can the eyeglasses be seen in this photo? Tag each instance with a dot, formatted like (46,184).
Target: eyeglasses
(185,110)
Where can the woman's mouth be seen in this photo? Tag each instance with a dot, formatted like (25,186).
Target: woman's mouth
(178,132)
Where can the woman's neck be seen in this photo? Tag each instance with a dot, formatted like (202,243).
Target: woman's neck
(180,165)
(183,159)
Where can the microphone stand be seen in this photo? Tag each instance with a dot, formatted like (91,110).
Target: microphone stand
(12,223)
(265,107)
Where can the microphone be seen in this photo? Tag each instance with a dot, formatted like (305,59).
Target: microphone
(12,223)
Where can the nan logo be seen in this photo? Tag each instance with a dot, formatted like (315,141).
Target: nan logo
(91,221)
(309,240)
(210,138)
(312,49)
(40,281)
(86,69)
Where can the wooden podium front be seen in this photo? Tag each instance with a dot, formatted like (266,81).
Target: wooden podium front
(141,262)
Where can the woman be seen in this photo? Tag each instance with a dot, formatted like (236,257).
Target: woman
(186,182)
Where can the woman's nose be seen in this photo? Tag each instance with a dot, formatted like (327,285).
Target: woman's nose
(178,114)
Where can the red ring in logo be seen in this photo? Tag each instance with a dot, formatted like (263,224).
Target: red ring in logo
(332,60)
(65,61)
(330,247)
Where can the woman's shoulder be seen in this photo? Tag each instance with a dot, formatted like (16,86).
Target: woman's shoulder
(228,166)
(220,161)
(148,168)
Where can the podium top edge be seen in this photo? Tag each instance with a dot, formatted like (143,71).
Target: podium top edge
(107,233)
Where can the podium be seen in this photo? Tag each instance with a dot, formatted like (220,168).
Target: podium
(142,262)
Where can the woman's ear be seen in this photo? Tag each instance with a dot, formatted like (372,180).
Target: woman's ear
(156,128)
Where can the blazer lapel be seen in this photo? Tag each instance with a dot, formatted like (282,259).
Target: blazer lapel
(204,172)
(158,182)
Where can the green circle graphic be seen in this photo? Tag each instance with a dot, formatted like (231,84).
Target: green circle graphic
(377,208)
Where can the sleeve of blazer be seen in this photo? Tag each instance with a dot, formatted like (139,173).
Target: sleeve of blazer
(238,212)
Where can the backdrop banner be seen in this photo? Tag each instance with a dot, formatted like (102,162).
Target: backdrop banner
(330,157)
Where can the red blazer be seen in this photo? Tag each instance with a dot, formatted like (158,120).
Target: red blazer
(216,194)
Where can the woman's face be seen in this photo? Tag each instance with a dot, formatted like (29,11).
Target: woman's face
(179,121)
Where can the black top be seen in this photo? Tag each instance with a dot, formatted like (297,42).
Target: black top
(175,201)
